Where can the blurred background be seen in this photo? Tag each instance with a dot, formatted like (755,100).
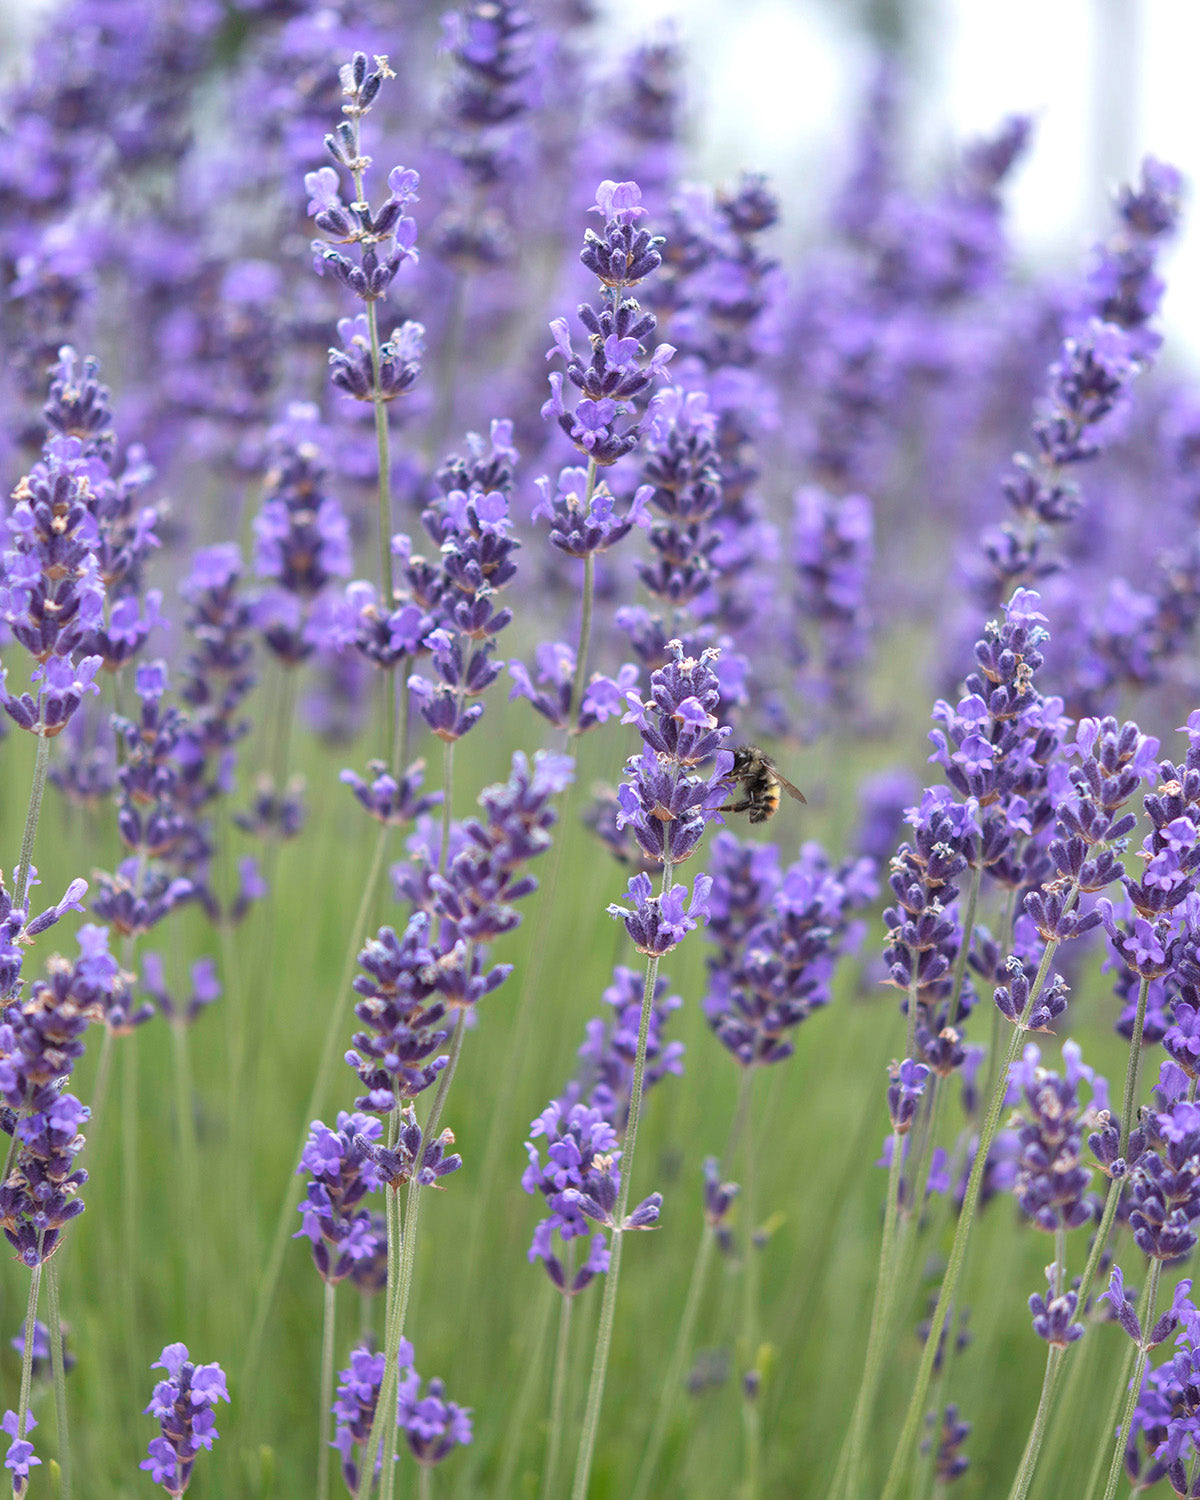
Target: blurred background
(777,83)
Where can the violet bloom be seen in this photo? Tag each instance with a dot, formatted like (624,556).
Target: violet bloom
(433,1426)
(20,1457)
(664,798)
(206,988)
(583,525)
(768,978)
(603,697)
(403,1021)
(832,553)
(610,1049)
(342,1173)
(614,375)
(390,802)
(51,593)
(302,538)
(386,238)
(1052,1182)
(41,1039)
(354,1408)
(1166,1420)
(41,1362)
(472,529)
(580,1181)
(184,1404)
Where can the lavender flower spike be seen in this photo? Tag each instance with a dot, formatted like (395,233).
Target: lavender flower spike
(184,1404)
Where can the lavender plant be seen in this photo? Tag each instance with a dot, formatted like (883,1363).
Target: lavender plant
(248,589)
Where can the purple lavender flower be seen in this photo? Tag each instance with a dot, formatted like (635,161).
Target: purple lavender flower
(412,1158)
(614,376)
(905,1090)
(779,941)
(51,593)
(392,803)
(433,1426)
(603,697)
(41,1038)
(42,1359)
(1052,1182)
(302,538)
(206,988)
(342,1172)
(20,1457)
(184,1404)
(610,1049)
(354,1409)
(664,798)
(582,524)
(404,1022)
(389,229)
(580,1181)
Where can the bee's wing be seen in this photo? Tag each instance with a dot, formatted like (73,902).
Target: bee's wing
(792,791)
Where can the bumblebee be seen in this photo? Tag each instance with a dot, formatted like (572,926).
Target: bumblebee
(760,783)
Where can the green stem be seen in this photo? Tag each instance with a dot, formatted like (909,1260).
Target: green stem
(32,814)
(337,1020)
(608,1307)
(130,1156)
(447,798)
(1033,1445)
(523,1408)
(398,697)
(31,1307)
(1133,1067)
(326,1406)
(394,1329)
(384,457)
(954,1265)
(59,1372)
(846,1481)
(1111,1418)
(679,1354)
(585,615)
(189,1161)
(1135,1387)
(752,1380)
(558,1389)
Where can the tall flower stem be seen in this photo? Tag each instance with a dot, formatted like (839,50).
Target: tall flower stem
(382,1430)
(1054,1368)
(1149,1298)
(558,1389)
(31,1307)
(33,813)
(323,1412)
(523,1406)
(608,1308)
(59,1374)
(751,1381)
(585,613)
(333,1032)
(189,1160)
(130,1158)
(958,1249)
(846,1480)
(674,1376)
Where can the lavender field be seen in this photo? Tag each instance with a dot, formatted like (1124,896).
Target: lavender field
(602,799)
